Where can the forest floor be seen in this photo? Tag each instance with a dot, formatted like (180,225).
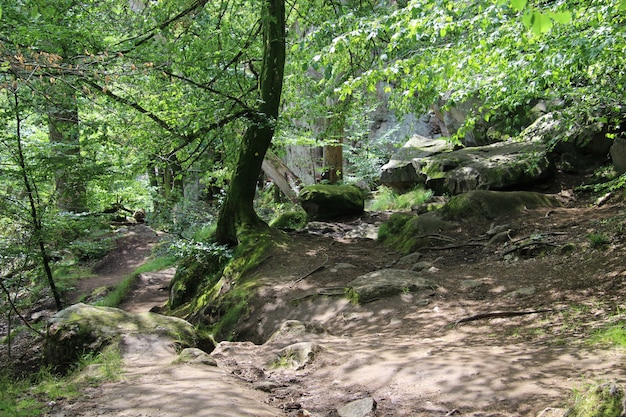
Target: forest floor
(411,353)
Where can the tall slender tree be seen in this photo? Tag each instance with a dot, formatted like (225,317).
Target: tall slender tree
(238,209)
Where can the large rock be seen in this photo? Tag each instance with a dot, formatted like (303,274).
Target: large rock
(490,205)
(531,157)
(498,166)
(618,155)
(402,172)
(323,201)
(386,283)
(83,328)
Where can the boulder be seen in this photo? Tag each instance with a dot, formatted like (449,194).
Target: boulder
(386,283)
(618,155)
(401,171)
(323,201)
(493,204)
(502,165)
(295,330)
(83,328)
(432,164)
(296,356)
(195,356)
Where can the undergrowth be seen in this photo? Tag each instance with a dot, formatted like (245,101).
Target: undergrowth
(386,198)
(32,396)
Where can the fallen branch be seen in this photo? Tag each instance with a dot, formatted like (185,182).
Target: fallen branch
(318,268)
(457,246)
(499,314)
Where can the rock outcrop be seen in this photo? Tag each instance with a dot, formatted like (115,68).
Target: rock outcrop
(323,201)
(82,328)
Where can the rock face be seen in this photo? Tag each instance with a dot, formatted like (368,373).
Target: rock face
(531,157)
(82,328)
(322,201)
(431,164)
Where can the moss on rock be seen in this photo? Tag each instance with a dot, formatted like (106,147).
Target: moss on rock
(493,204)
(323,201)
(407,233)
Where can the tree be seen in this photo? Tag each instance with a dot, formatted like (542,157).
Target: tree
(238,210)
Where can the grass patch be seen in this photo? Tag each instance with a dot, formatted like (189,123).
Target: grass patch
(29,397)
(610,336)
(386,198)
(598,400)
(598,240)
(115,297)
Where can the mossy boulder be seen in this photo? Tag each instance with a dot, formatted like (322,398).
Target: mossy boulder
(324,201)
(291,220)
(83,328)
(493,204)
(407,233)
(444,170)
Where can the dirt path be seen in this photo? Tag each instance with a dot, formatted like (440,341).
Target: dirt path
(153,385)
(402,351)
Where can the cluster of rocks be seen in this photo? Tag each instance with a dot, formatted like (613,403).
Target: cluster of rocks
(530,158)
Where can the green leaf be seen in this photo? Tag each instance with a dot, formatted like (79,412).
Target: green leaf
(562,17)
(518,5)
(622,5)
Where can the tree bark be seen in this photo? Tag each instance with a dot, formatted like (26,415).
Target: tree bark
(335,133)
(63,131)
(238,208)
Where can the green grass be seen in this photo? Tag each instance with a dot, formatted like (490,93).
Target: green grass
(610,336)
(598,240)
(387,199)
(115,297)
(29,397)
(597,400)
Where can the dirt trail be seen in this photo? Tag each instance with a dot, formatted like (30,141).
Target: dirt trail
(153,385)
(402,351)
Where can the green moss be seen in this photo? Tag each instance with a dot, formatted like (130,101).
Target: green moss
(407,233)
(324,201)
(219,303)
(493,204)
(604,400)
(292,220)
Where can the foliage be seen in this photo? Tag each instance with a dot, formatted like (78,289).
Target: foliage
(386,198)
(30,397)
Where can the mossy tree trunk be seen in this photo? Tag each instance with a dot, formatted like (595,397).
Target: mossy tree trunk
(238,208)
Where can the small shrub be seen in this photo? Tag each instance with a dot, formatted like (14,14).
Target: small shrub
(598,240)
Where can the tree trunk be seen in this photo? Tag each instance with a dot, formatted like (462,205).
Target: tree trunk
(34,212)
(238,208)
(63,131)
(334,132)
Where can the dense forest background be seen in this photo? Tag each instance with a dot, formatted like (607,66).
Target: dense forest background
(167,109)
